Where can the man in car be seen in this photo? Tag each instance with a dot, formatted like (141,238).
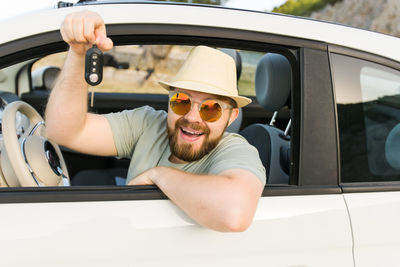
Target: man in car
(214,177)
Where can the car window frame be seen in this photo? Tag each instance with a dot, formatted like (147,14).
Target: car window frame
(142,33)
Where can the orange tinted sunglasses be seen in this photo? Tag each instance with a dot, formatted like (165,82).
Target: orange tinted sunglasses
(210,109)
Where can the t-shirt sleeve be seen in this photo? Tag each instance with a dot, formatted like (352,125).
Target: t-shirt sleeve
(127,126)
(237,153)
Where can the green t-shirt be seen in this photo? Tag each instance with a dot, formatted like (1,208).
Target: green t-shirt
(141,134)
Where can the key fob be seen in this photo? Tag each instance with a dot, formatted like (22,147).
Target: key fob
(94,66)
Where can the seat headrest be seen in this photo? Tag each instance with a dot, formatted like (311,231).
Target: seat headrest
(236,57)
(273,81)
(392,147)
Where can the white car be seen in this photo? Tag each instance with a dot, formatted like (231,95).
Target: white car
(332,155)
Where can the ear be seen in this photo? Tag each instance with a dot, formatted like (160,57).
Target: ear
(233,115)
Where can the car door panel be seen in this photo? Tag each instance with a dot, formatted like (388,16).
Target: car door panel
(286,231)
(375,219)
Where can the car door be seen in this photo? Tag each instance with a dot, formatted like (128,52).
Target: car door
(287,230)
(368,103)
(295,225)
(304,223)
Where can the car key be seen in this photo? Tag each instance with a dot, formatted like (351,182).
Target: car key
(93,69)
(94,66)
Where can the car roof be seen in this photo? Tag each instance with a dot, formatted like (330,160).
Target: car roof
(200,15)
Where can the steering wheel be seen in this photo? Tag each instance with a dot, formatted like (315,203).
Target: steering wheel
(28,158)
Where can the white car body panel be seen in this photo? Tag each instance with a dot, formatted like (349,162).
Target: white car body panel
(50,20)
(287,231)
(375,219)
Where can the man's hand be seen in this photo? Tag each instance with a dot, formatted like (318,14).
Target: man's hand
(82,29)
(144,178)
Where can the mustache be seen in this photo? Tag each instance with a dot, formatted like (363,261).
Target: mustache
(182,122)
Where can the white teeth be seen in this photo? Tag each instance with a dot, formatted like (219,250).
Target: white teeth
(190,132)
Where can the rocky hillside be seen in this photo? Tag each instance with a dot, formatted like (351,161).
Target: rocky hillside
(376,15)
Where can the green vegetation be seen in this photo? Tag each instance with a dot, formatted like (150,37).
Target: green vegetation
(302,7)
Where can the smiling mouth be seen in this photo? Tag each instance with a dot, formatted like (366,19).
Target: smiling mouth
(191,132)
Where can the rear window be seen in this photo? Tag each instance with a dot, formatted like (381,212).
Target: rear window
(368,105)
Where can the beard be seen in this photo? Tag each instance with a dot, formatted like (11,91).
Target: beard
(187,152)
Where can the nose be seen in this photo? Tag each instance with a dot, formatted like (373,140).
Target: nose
(194,115)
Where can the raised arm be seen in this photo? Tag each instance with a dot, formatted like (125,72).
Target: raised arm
(67,121)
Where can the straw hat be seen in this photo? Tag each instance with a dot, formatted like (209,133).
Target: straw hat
(209,71)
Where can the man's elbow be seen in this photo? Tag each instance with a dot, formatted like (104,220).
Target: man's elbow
(237,222)
(236,227)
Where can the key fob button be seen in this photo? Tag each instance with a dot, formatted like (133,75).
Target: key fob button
(93,77)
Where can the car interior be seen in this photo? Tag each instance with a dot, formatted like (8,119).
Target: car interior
(130,80)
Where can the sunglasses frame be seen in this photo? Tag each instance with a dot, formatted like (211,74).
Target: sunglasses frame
(222,104)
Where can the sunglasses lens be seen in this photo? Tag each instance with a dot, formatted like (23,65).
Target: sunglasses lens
(180,103)
(210,110)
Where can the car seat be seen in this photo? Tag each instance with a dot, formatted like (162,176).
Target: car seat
(273,82)
(392,147)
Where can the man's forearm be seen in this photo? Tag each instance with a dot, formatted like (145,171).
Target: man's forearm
(67,107)
(224,202)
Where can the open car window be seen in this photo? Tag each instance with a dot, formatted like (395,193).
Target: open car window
(130,80)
